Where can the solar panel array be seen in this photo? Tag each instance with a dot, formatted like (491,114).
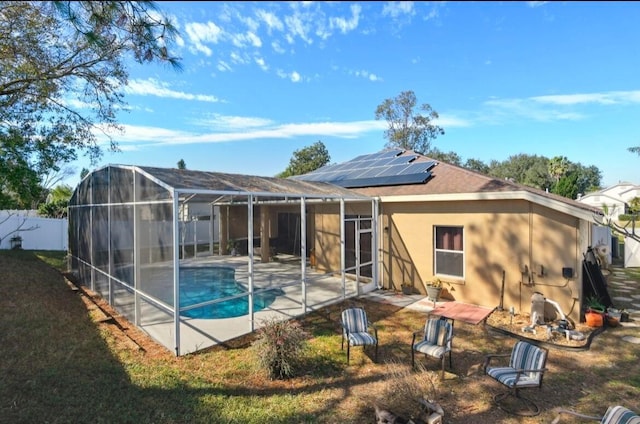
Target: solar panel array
(373,170)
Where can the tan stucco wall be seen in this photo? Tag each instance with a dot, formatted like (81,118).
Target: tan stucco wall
(500,236)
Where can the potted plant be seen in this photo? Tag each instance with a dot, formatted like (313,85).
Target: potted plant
(407,288)
(594,314)
(434,287)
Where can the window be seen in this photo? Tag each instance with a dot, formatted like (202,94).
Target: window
(449,252)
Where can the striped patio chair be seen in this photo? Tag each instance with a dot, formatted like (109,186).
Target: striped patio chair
(434,341)
(525,370)
(358,331)
(615,415)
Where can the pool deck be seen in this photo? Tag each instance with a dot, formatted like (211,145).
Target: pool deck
(321,289)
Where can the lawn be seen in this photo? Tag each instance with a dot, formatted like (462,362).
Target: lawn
(63,362)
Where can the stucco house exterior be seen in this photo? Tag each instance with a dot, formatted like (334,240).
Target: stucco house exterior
(493,242)
(284,247)
(615,198)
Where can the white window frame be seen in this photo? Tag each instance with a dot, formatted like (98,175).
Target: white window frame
(448,251)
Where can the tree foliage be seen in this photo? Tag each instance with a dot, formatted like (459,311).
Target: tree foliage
(448,157)
(558,167)
(182,164)
(477,165)
(635,149)
(634,205)
(57,202)
(531,170)
(306,160)
(62,75)
(408,128)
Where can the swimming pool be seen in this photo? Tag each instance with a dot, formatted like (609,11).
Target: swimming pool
(203,284)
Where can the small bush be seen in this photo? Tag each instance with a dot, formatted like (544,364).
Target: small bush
(279,347)
(404,388)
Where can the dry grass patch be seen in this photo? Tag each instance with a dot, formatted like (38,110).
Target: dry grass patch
(63,362)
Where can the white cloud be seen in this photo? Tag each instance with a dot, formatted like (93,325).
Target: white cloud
(366,74)
(528,108)
(606,98)
(155,136)
(152,87)
(199,34)
(243,40)
(297,27)
(219,122)
(239,58)
(536,3)
(395,9)
(261,63)
(223,66)
(293,76)
(347,25)
(275,45)
(271,21)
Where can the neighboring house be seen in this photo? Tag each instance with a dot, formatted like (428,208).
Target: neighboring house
(615,198)
(493,241)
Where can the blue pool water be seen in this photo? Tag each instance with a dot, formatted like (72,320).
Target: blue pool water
(202,284)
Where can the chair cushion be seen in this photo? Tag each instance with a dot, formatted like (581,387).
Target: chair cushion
(361,339)
(355,320)
(526,356)
(620,415)
(429,349)
(507,376)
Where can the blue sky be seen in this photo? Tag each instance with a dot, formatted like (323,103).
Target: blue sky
(261,80)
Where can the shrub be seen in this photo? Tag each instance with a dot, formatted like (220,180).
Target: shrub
(279,347)
(404,388)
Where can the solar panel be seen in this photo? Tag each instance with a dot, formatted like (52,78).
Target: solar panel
(374,170)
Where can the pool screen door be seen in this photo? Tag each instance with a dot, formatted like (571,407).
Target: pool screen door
(359,246)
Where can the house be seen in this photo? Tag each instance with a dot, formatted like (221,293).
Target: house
(493,242)
(272,247)
(614,199)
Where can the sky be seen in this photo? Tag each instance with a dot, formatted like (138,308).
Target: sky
(261,80)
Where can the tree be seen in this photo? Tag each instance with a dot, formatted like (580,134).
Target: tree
(567,185)
(407,129)
(55,55)
(477,165)
(182,164)
(448,157)
(306,160)
(634,149)
(19,183)
(634,206)
(531,170)
(57,202)
(558,166)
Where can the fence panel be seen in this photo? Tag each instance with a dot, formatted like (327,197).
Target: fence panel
(37,233)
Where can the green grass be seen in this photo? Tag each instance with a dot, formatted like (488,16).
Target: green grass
(58,364)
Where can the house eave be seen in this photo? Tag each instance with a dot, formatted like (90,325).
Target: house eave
(512,195)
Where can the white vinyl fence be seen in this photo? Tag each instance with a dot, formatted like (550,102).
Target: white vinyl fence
(37,233)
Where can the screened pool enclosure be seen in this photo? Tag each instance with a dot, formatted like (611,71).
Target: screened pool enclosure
(198,258)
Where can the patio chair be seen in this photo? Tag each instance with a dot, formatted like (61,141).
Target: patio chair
(358,331)
(615,415)
(435,341)
(525,370)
